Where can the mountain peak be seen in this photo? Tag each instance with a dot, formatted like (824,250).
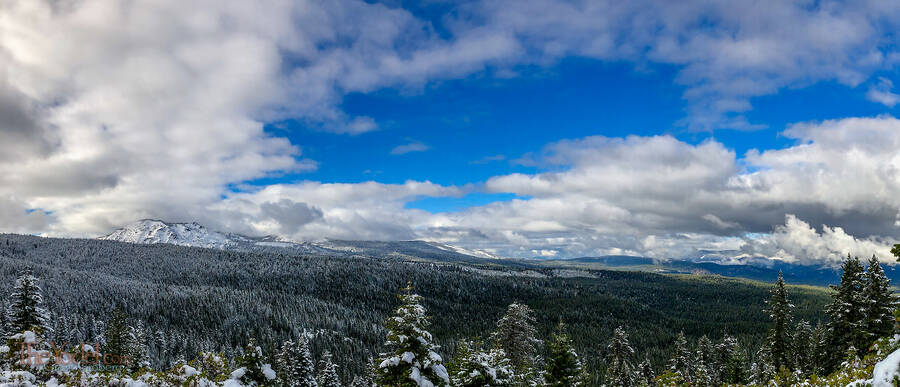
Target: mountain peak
(150,231)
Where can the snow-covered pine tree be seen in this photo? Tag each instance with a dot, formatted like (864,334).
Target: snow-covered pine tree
(255,371)
(517,337)
(328,374)
(25,311)
(213,366)
(702,376)
(880,303)
(732,361)
(362,381)
(820,352)
(116,338)
(779,338)
(803,344)
(563,367)
(705,356)
(475,367)
(295,364)
(762,371)
(412,359)
(681,363)
(846,314)
(620,368)
(138,352)
(645,374)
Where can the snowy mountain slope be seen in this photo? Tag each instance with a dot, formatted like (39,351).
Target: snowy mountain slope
(150,231)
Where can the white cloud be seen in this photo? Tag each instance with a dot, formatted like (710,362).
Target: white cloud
(797,241)
(882,92)
(112,111)
(414,146)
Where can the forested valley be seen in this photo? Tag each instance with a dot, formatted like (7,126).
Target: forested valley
(190,316)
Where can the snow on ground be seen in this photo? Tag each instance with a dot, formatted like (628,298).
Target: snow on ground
(887,370)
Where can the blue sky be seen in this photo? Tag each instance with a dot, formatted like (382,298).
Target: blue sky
(734,130)
(480,126)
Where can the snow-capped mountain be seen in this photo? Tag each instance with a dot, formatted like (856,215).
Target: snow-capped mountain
(150,231)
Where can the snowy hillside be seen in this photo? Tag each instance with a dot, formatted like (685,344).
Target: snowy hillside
(150,231)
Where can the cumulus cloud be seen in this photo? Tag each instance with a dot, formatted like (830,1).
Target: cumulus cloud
(797,241)
(313,211)
(113,111)
(660,197)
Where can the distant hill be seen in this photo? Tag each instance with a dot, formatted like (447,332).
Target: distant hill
(793,273)
(151,231)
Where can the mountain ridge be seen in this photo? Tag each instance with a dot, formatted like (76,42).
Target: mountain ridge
(193,234)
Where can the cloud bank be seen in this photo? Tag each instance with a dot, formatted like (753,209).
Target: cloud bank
(113,111)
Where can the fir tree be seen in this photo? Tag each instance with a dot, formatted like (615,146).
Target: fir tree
(25,311)
(412,359)
(879,301)
(362,381)
(474,367)
(117,338)
(295,364)
(563,367)
(681,363)
(252,361)
(732,362)
(762,370)
(706,357)
(645,374)
(620,370)
(138,352)
(517,337)
(779,339)
(213,366)
(328,375)
(803,343)
(846,313)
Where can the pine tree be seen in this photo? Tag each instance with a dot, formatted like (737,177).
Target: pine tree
(213,366)
(732,362)
(645,374)
(702,377)
(681,363)
(295,364)
(820,354)
(846,313)
(517,337)
(362,381)
(762,370)
(412,359)
(706,358)
(880,303)
(138,352)
(117,339)
(25,311)
(620,368)
(803,343)
(474,367)
(328,375)
(779,339)
(252,361)
(563,367)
